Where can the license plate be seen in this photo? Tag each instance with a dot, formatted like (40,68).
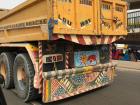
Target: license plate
(86,58)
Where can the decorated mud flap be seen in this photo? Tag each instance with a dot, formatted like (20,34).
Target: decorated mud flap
(58,86)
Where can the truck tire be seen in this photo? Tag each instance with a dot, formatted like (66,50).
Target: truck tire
(6,69)
(24,78)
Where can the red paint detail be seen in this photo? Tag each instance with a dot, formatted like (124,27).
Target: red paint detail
(55,37)
(40,68)
(93,39)
(81,39)
(110,39)
(55,86)
(102,39)
(92,58)
(40,75)
(68,37)
(110,52)
(40,62)
(67,60)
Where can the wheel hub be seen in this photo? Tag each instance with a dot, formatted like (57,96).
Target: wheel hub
(3,70)
(21,77)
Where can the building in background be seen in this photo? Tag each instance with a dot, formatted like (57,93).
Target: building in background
(134,4)
(131,43)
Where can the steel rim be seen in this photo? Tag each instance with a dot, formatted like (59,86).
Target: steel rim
(3,71)
(21,77)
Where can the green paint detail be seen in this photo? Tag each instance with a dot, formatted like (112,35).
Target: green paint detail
(37,60)
(68,84)
(105,79)
(49,90)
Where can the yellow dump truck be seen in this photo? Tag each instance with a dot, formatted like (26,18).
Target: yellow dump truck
(60,48)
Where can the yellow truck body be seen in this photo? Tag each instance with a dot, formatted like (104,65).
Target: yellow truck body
(3,11)
(60,48)
(29,21)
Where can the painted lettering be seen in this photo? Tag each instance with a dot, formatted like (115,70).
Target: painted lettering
(25,24)
(85,22)
(86,2)
(65,21)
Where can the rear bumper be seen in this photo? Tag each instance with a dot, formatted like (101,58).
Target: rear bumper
(61,84)
(74,71)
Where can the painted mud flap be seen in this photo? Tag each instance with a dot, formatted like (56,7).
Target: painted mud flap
(66,83)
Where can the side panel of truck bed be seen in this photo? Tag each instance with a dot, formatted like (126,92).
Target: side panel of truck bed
(41,19)
(26,22)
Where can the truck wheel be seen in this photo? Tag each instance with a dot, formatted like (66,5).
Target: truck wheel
(6,69)
(23,78)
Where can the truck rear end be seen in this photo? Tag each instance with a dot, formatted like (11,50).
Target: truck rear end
(83,32)
(67,43)
(74,69)
(90,17)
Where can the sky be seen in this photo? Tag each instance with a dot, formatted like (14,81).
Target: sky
(9,4)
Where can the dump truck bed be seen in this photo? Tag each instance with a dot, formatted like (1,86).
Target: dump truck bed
(41,19)
(3,12)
